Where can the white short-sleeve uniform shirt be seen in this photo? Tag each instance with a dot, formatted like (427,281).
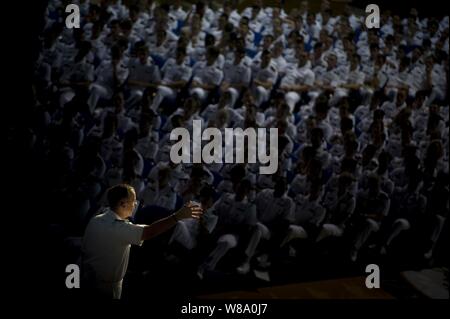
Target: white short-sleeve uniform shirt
(106,250)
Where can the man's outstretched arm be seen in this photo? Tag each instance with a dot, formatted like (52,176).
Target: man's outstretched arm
(160,226)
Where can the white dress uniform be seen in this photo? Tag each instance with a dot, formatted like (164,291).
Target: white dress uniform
(165,48)
(353,77)
(439,84)
(300,185)
(339,213)
(417,77)
(162,196)
(307,212)
(269,209)
(196,47)
(391,109)
(207,75)
(411,205)
(111,150)
(148,145)
(256,23)
(268,74)
(402,78)
(147,73)
(178,13)
(177,174)
(297,76)
(103,86)
(186,231)
(211,110)
(363,111)
(118,10)
(173,72)
(231,213)
(366,205)
(106,250)
(237,74)
(124,123)
(325,76)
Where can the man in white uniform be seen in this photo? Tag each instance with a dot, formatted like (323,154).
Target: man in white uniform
(108,237)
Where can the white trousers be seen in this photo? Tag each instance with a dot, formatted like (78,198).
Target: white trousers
(97,91)
(261,95)
(294,232)
(224,244)
(163,92)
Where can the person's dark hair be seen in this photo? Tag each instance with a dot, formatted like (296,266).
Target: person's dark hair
(329,11)
(229,27)
(210,39)
(346,124)
(165,7)
(117,194)
(426,42)
(240,51)
(378,114)
(321,105)
(114,22)
(213,51)
(122,42)
(317,132)
(141,47)
(374,46)
(181,50)
(126,25)
(176,120)
(244,20)
(369,151)
(357,57)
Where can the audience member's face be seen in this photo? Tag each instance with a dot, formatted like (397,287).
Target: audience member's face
(416,54)
(401,97)
(115,29)
(210,59)
(267,42)
(238,56)
(302,58)
(332,61)
(142,56)
(265,60)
